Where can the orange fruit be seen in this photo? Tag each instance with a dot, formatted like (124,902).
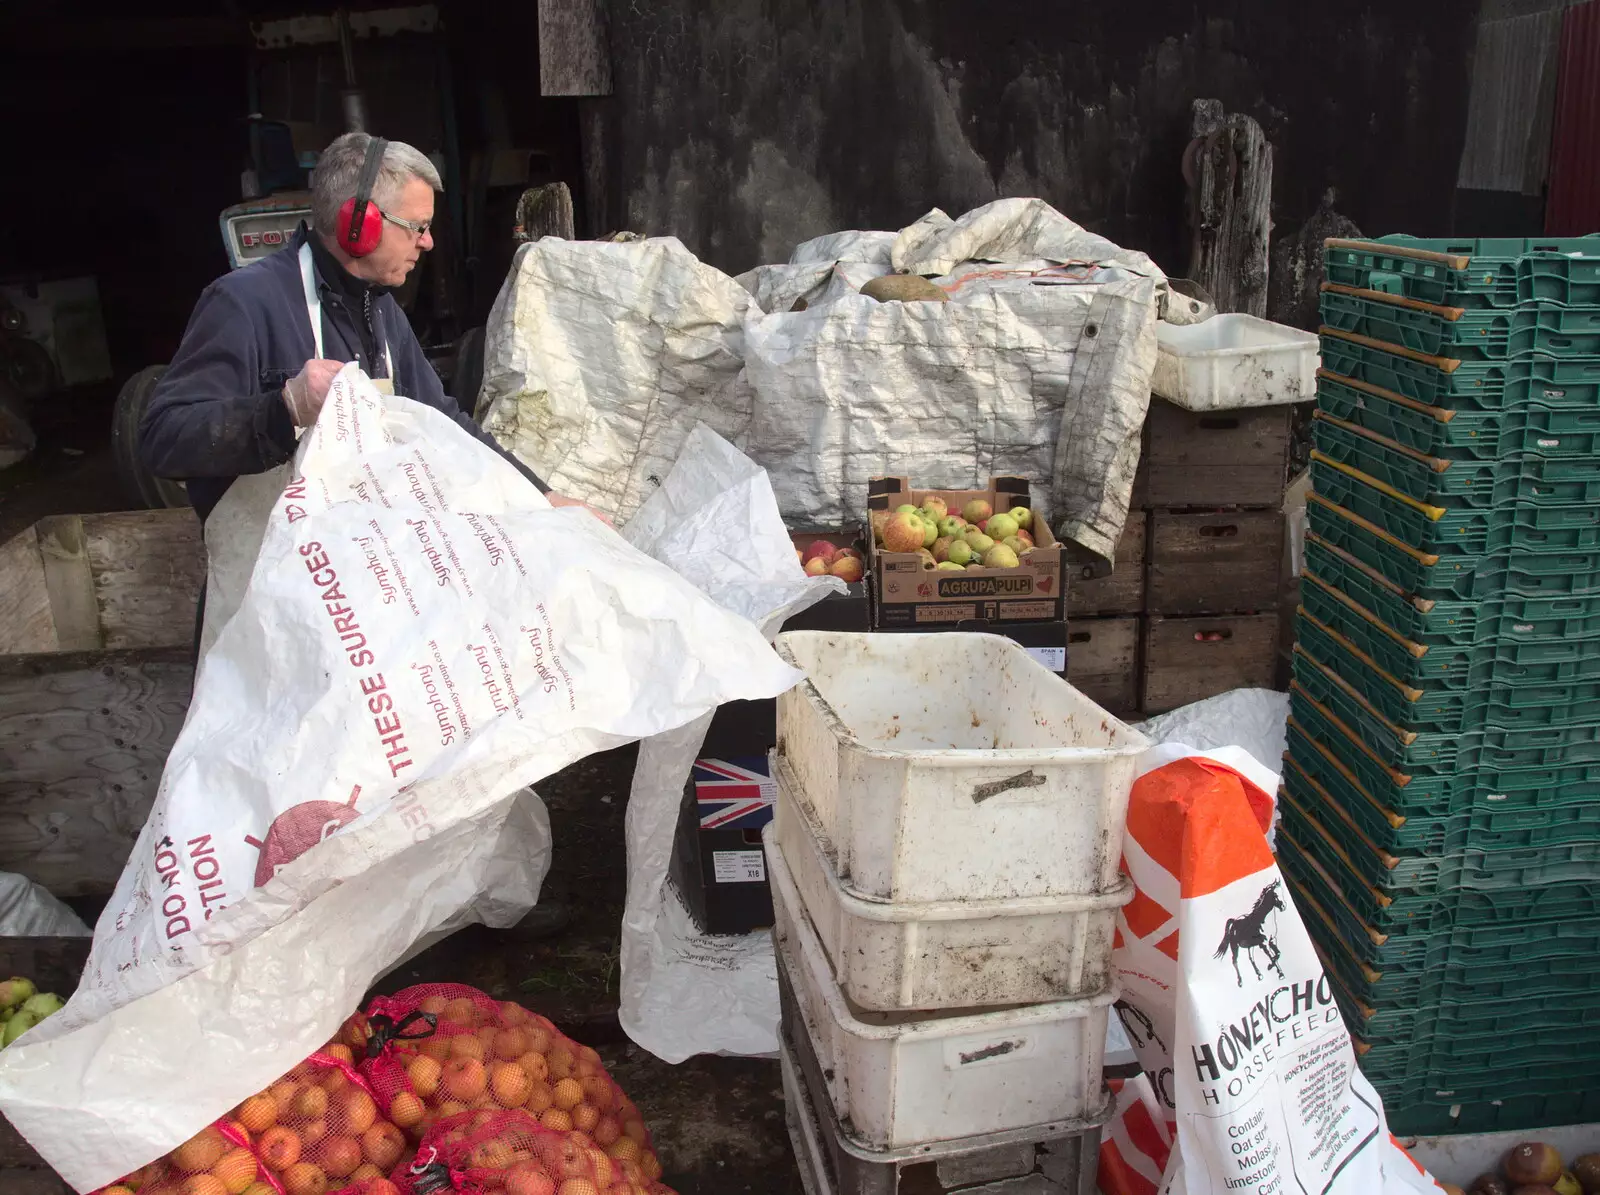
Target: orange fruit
(491,1155)
(200,1152)
(342,1053)
(406,1110)
(434,1004)
(340,1156)
(310,1103)
(606,1131)
(510,1084)
(601,1165)
(354,1111)
(577,1186)
(236,1169)
(510,1044)
(382,1145)
(423,1074)
(624,1149)
(259,1189)
(586,1069)
(451,1108)
(562,1061)
(635,1128)
(436,1047)
(355,1032)
(119,1189)
(460,1011)
(568,1094)
(585,1117)
(366,1172)
(467,1045)
(203,1184)
(305,1178)
(513,1015)
(539,1038)
(279,1147)
(257,1113)
(651,1165)
(539,1098)
(526,1178)
(464,1079)
(283,1093)
(557,1119)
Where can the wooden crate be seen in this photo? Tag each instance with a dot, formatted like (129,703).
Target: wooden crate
(1214,458)
(1215,563)
(96,628)
(1103,662)
(55,964)
(1119,592)
(1188,659)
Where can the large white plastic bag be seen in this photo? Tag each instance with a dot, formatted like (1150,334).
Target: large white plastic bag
(1247,1061)
(29,911)
(716,519)
(559,640)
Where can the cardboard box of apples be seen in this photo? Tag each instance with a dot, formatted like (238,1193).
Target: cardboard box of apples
(942,556)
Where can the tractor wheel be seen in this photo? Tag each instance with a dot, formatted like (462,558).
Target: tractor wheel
(140,484)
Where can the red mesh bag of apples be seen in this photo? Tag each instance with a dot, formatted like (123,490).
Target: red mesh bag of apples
(436,1051)
(500,1152)
(313,1131)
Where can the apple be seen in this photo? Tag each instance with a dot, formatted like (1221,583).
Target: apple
(816,567)
(948,566)
(17,1026)
(907,509)
(927,558)
(1000,527)
(960,552)
(979,542)
(42,1005)
(1000,556)
(877,518)
(952,525)
(903,532)
(1014,542)
(941,548)
(976,511)
(1022,515)
(935,506)
(930,532)
(819,549)
(15,990)
(846,568)
(1025,538)
(852,552)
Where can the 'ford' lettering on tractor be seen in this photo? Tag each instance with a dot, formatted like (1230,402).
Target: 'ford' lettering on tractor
(963,587)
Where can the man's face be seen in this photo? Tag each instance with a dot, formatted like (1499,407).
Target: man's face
(400,249)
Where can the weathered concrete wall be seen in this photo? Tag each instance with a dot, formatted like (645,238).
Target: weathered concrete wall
(744,126)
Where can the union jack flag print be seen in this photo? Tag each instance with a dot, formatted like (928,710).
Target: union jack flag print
(734,794)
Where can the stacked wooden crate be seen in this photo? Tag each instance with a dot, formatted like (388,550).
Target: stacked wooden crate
(1190,610)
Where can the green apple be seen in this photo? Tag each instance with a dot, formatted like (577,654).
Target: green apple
(948,566)
(1022,515)
(930,532)
(1000,528)
(952,525)
(17,1026)
(1000,556)
(979,542)
(15,990)
(959,552)
(43,1005)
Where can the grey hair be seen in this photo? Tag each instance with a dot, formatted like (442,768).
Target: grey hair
(339,171)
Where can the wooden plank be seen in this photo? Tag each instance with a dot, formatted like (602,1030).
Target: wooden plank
(1189,659)
(1119,592)
(574,54)
(1103,661)
(1216,458)
(1228,167)
(70,581)
(25,621)
(148,568)
(83,738)
(1215,563)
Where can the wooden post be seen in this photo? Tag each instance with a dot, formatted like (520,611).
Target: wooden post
(1228,167)
(545,211)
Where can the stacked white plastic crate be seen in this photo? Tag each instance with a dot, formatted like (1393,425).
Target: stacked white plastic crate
(945,871)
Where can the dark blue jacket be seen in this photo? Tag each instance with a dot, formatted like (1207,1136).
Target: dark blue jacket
(218,411)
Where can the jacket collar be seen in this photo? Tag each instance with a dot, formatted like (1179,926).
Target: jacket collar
(331,276)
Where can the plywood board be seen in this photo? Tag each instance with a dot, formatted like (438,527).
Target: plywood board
(25,622)
(83,738)
(70,582)
(148,567)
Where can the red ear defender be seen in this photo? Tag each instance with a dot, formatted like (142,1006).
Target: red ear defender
(360,221)
(359,237)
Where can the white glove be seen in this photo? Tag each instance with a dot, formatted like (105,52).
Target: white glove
(305,393)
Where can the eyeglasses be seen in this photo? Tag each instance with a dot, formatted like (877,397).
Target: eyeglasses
(417,228)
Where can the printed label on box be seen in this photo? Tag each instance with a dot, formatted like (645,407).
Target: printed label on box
(1053,658)
(739,867)
(734,794)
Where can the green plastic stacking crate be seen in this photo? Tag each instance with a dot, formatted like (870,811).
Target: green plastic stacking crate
(1452,332)
(1455,384)
(1491,272)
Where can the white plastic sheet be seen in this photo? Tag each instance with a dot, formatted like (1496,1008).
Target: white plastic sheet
(28,911)
(422,636)
(715,519)
(601,357)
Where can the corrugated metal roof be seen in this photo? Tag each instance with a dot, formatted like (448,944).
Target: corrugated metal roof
(1573,206)
(1508,113)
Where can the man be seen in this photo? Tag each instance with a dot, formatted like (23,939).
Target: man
(265,342)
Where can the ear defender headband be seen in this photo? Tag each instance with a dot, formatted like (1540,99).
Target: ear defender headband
(360,221)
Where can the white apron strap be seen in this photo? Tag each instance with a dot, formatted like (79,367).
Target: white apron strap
(308,280)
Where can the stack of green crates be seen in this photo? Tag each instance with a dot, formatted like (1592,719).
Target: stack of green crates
(1441,791)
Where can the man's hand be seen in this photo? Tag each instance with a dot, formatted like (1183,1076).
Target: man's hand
(305,393)
(556,499)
